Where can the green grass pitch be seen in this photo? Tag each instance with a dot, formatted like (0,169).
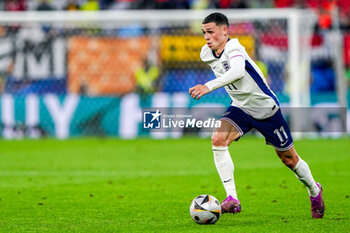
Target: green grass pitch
(144,185)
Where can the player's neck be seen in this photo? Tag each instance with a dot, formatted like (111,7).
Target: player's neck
(220,48)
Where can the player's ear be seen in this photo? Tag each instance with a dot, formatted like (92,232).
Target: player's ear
(225,29)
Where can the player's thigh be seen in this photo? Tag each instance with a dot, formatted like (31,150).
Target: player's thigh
(225,134)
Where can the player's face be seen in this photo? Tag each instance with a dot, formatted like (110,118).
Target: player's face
(215,35)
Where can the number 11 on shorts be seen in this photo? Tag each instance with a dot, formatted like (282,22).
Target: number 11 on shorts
(279,133)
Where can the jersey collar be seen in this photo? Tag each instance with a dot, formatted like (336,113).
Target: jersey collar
(220,53)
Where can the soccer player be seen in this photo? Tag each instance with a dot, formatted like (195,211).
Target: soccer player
(253,105)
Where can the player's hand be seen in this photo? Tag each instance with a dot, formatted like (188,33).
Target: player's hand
(198,91)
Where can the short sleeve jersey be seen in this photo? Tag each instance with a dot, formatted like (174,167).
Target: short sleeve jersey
(250,93)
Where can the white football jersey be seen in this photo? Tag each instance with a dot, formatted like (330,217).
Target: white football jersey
(250,93)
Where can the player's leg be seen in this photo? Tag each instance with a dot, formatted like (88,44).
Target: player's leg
(224,135)
(302,171)
(221,139)
(277,133)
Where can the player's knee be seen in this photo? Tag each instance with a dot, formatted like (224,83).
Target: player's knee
(218,140)
(289,159)
(288,162)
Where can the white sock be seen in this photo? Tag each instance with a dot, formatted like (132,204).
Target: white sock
(224,165)
(303,173)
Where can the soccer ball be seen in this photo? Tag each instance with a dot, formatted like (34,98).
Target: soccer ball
(205,209)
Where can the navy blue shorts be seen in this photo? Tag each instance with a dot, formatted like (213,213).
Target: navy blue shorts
(275,128)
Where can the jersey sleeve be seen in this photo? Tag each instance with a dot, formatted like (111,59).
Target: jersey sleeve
(235,58)
(234,50)
(205,54)
(235,73)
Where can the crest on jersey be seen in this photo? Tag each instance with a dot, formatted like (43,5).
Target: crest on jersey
(226,66)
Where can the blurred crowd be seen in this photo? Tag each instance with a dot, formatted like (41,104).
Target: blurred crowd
(322,66)
(321,7)
(13,5)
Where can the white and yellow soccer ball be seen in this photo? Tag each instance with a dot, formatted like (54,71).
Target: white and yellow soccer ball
(205,209)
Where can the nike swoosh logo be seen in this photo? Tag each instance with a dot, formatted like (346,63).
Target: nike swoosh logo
(225,181)
(282,144)
(321,211)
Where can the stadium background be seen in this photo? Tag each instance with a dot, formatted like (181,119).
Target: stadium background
(92,80)
(86,82)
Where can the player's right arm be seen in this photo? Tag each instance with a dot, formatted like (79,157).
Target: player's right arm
(198,91)
(234,57)
(235,73)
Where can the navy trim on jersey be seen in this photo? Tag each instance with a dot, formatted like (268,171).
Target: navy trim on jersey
(218,57)
(258,79)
